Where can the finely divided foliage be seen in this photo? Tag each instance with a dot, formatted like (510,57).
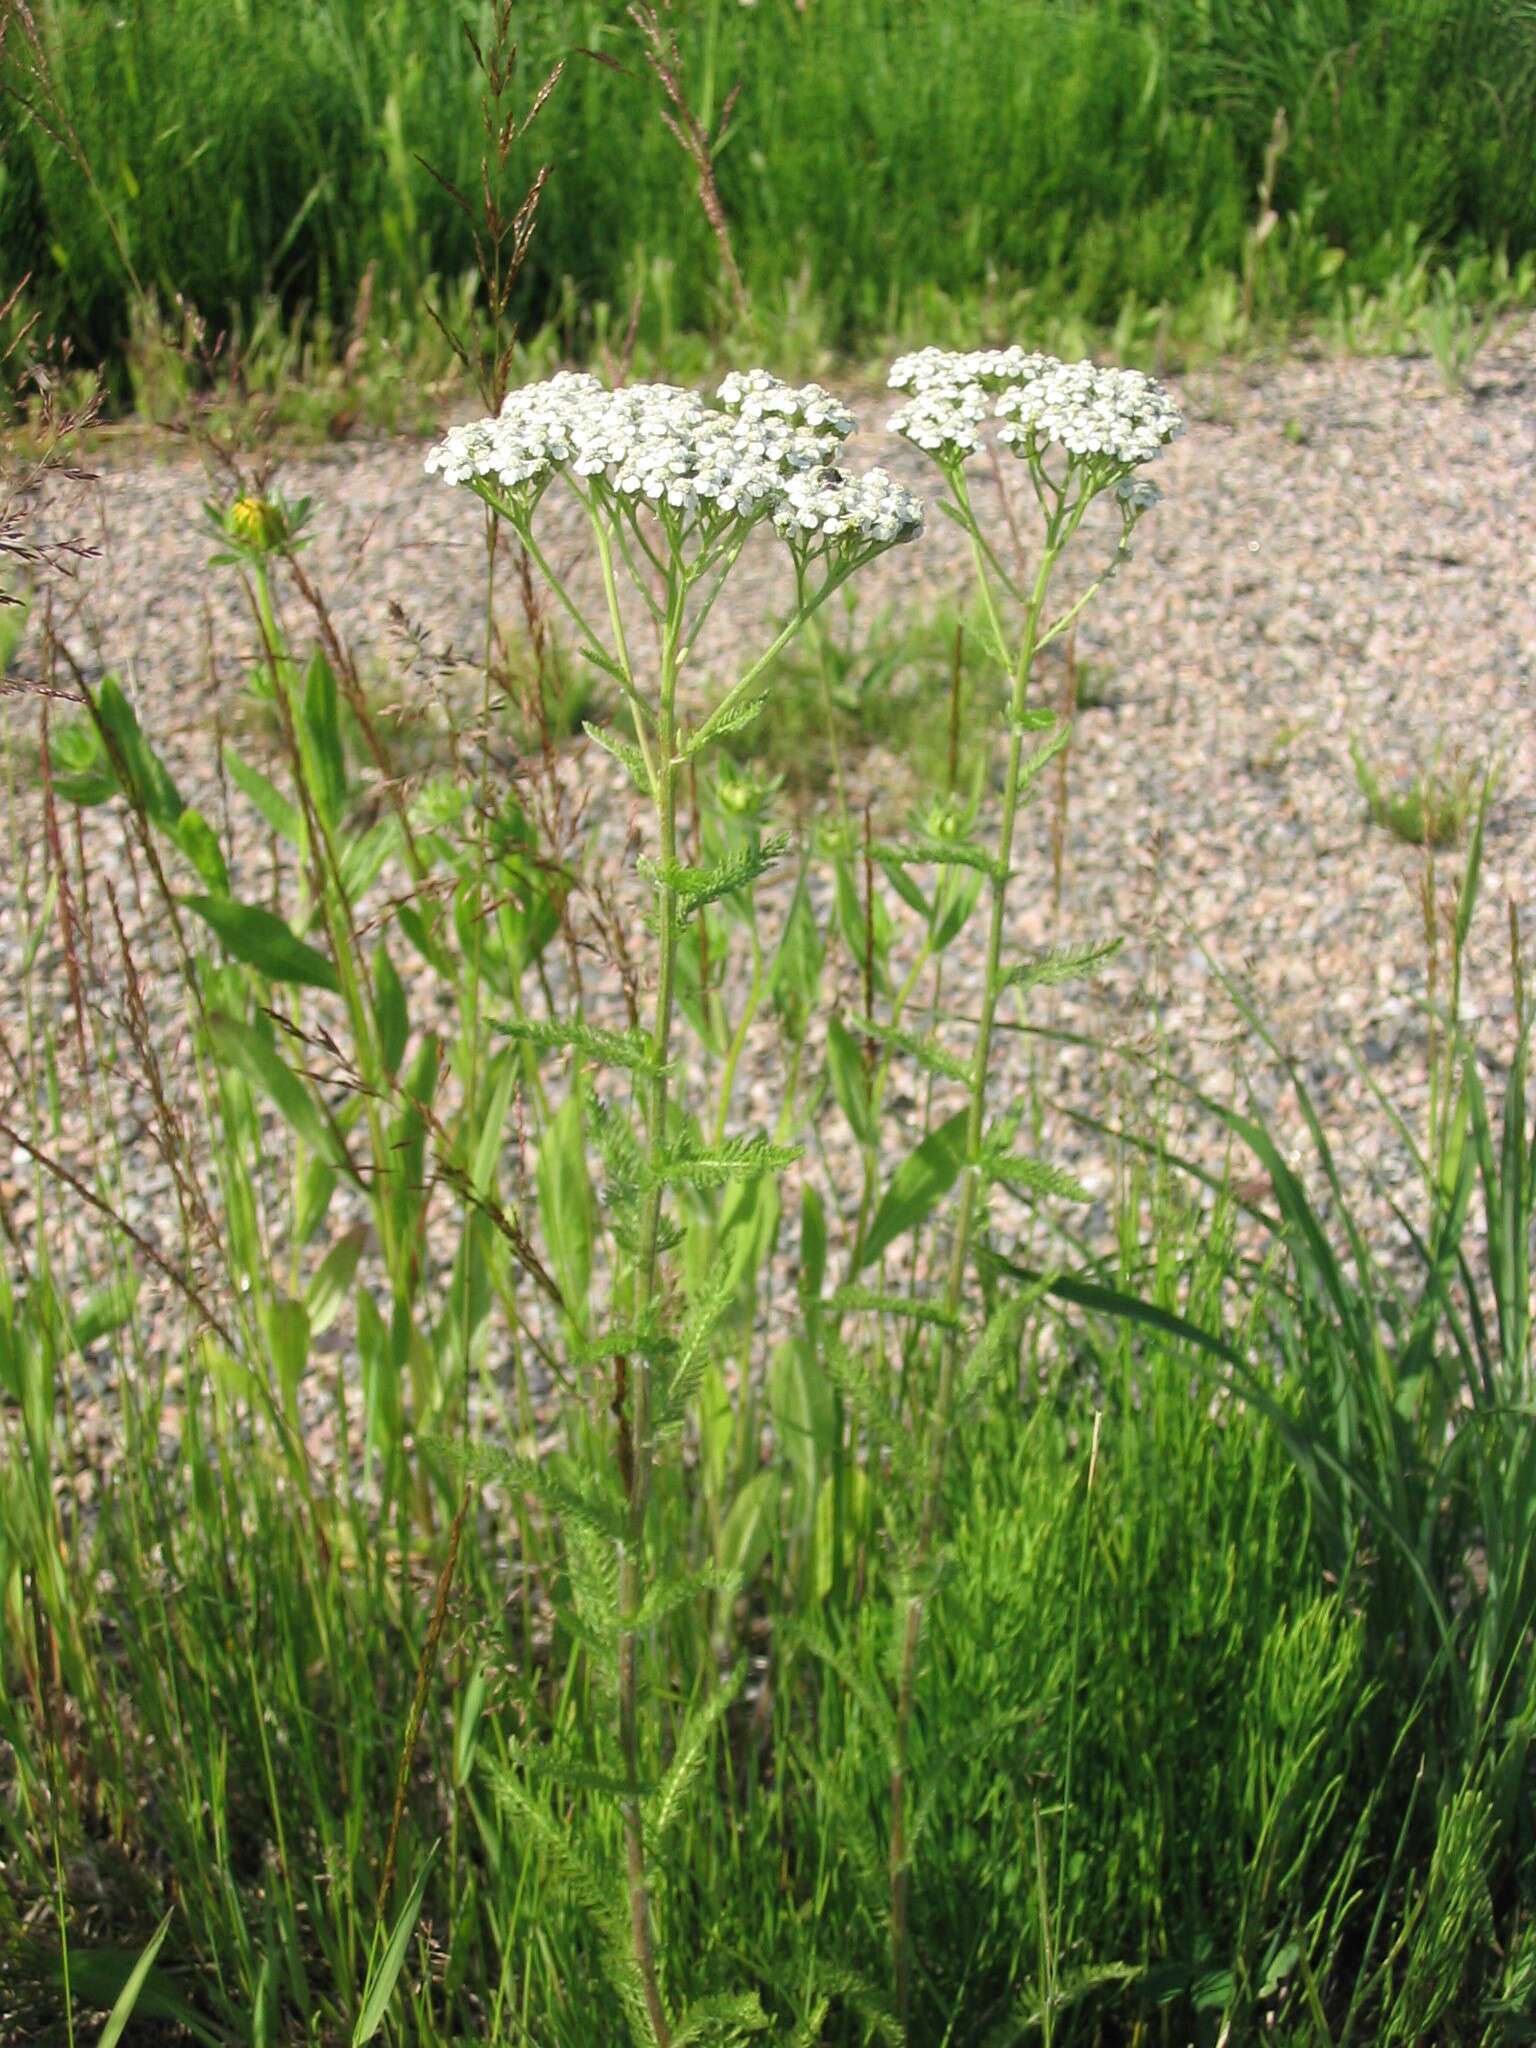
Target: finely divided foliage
(672,485)
(676,1529)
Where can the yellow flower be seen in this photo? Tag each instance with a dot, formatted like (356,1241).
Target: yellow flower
(257,522)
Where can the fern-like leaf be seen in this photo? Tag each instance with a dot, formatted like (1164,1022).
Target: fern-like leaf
(631,1050)
(692,1750)
(623,751)
(1024,1175)
(945,853)
(721,2020)
(694,888)
(729,719)
(912,1308)
(927,1052)
(1060,963)
(686,1163)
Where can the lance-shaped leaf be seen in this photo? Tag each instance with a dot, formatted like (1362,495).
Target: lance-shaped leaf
(264,942)
(1059,964)
(918,1185)
(141,774)
(264,796)
(385,1972)
(242,1046)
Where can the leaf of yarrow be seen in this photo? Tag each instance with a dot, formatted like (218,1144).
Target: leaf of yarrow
(728,719)
(1018,1171)
(928,1053)
(687,1164)
(720,2020)
(1059,964)
(628,1049)
(557,1769)
(1031,770)
(627,1340)
(912,1308)
(623,751)
(945,853)
(577,1496)
(693,888)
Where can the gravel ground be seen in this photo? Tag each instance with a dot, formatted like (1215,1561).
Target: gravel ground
(1342,552)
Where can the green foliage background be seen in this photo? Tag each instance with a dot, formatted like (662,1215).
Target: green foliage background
(884,157)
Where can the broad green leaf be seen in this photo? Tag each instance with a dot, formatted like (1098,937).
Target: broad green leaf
(918,1185)
(322,733)
(363,857)
(195,836)
(813,1244)
(802,1403)
(957,900)
(144,776)
(103,1312)
(332,1283)
(264,942)
(795,976)
(390,1012)
(254,1054)
(747,1530)
(850,1080)
(279,813)
(78,764)
(567,1206)
(287,1329)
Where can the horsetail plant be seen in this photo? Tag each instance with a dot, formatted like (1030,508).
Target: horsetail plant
(1080,433)
(672,488)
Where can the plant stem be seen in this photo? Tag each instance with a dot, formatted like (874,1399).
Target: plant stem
(636,1449)
(970,1189)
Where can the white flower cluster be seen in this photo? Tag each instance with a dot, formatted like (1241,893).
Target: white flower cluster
(757,396)
(766,448)
(1089,411)
(835,507)
(1036,400)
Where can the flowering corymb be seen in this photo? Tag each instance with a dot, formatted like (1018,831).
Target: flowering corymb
(1113,420)
(707,471)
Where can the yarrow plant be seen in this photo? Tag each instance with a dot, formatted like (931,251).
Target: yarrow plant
(673,486)
(1079,433)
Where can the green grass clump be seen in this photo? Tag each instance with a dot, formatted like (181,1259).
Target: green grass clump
(1433,810)
(889,165)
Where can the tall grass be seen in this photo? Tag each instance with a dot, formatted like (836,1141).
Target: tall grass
(886,159)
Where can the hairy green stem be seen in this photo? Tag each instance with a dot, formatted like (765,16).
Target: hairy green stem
(636,1449)
(970,1191)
